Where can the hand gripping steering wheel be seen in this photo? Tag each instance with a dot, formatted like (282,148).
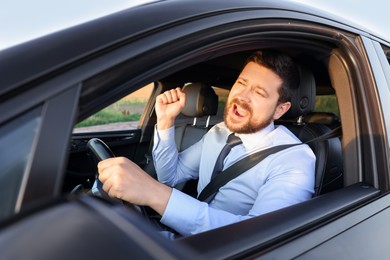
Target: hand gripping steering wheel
(101,152)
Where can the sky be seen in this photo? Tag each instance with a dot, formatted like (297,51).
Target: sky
(373,14)
(22,20)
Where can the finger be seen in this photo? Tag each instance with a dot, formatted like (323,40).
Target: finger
(168,96)
(181,96)
(104,164)
(174,94)
(179,90)
(162,98)
(104,175)
(107,187)
(106,168)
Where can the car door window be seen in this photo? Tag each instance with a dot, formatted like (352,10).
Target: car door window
(16,144)
(124,114)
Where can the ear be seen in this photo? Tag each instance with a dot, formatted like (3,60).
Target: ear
(281,109)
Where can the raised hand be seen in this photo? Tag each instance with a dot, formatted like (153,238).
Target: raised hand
(168,105)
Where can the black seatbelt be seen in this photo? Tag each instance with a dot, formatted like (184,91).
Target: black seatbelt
(251,160)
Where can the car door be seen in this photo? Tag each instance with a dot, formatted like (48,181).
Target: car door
(32,143)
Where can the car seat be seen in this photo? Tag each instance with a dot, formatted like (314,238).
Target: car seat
(201,102)
(329,164)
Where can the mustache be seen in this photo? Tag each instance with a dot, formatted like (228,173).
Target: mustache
(241,104)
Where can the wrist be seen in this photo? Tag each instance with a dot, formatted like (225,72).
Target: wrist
(163,124)
(160,197)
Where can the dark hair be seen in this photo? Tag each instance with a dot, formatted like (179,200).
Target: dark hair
(284,66)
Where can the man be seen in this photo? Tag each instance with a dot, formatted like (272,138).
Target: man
(260,95)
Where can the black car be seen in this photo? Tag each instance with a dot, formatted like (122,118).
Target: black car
(50,87)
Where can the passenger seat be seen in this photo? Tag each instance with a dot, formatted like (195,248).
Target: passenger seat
(300,120)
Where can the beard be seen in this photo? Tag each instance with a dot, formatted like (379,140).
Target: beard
(247,127)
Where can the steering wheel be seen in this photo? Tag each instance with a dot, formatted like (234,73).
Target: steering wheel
(101,151)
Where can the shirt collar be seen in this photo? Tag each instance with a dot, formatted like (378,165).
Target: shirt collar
(254,140)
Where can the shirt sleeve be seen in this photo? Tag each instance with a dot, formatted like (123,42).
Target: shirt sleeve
(171,166)
(189,216)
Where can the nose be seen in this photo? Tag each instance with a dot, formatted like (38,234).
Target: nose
(245,94)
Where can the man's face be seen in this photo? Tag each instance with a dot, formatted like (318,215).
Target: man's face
(253,100)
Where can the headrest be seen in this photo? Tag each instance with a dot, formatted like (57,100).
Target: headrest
(303,98)
(201,100)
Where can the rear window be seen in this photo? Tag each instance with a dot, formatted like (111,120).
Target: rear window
(327,103)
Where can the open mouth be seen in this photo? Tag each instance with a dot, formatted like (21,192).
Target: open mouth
(239,111)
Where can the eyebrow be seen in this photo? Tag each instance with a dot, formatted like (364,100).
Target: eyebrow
(256,85)
(243,79)
(263,89)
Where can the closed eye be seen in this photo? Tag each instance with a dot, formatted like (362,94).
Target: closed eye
(261,92)
(241,82)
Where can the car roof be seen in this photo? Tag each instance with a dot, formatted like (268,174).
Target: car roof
(27,62)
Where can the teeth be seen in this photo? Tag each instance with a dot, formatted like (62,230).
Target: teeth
(240,111)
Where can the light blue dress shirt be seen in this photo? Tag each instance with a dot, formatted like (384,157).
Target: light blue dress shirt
(280,180)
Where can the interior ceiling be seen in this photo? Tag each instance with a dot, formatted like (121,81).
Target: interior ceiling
(223,71)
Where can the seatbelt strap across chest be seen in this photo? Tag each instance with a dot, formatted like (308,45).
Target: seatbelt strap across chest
(249,161)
